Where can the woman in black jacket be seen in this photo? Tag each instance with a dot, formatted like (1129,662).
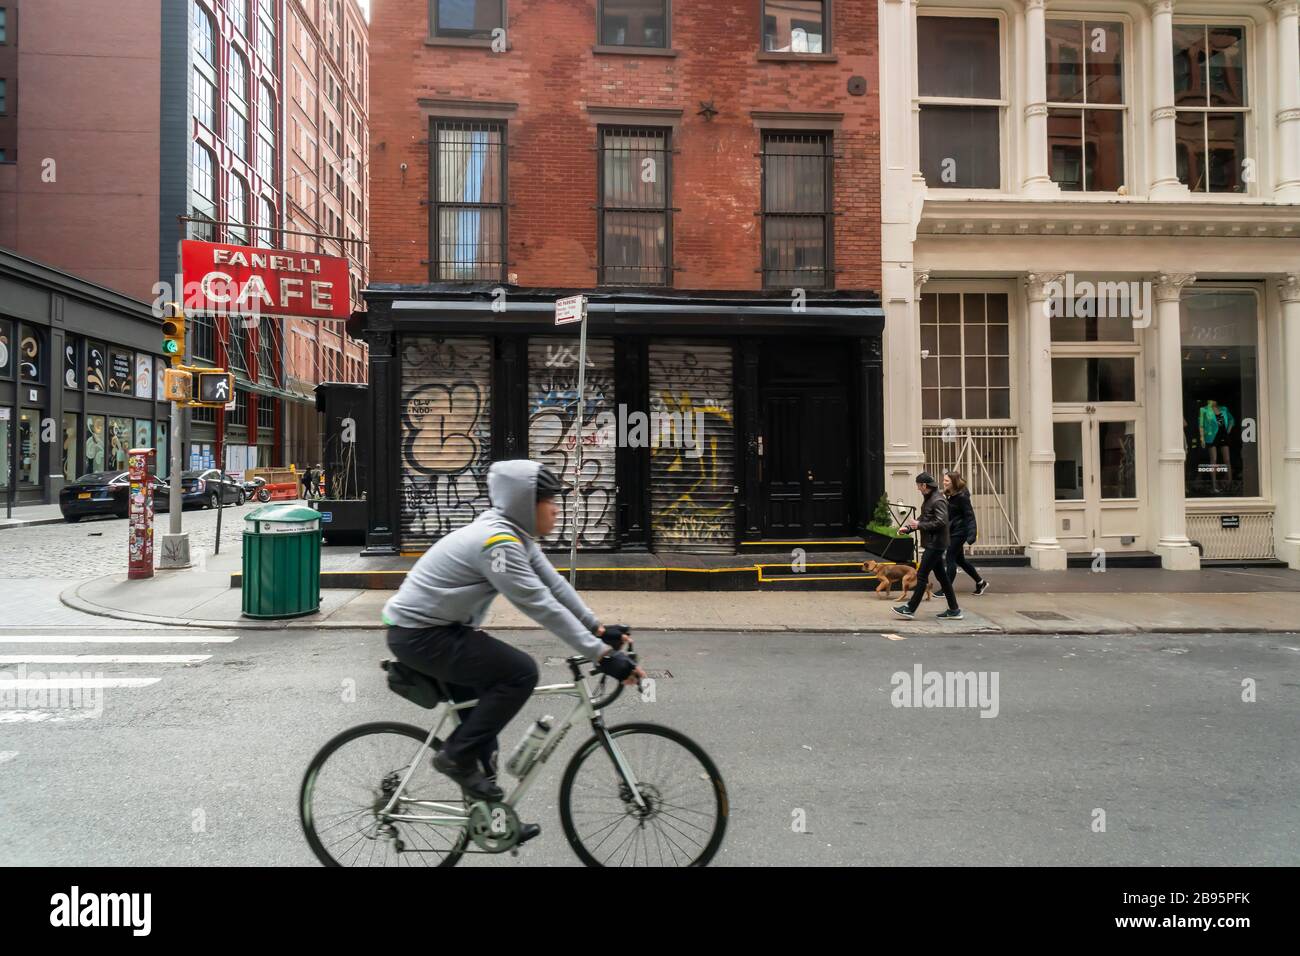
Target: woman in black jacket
(961,529)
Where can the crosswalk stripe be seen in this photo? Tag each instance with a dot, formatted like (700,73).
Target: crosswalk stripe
(109,639)
(69,683)
(104,658)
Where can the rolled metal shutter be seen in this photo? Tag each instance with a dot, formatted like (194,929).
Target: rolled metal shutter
(446,434)
(692,471)
(552,432)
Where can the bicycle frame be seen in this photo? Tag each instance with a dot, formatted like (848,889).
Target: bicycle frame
(452,815)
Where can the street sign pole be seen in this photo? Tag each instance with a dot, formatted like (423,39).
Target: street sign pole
(576,507)
(567,310)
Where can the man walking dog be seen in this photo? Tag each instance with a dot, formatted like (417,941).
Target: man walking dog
(933,526)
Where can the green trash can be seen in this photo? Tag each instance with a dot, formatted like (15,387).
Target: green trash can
(281,561)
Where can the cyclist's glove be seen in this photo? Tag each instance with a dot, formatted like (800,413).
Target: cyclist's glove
(614,634)
(617,665)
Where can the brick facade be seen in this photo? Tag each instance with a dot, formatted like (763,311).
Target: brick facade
(553,75)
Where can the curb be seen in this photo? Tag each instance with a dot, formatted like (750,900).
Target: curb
(20,523)
(71,598)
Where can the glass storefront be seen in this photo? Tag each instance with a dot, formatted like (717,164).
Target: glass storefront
(96,442)
(71,430)
(1220,335)
(29,447)
(120,438)
(6,442)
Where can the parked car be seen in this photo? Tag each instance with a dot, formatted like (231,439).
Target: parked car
(105,493)
(256,488)
(205,488)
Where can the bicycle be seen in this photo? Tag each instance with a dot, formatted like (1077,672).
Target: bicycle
(395,812)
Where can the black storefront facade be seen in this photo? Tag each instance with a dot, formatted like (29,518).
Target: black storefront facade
(714,422)
(80,379)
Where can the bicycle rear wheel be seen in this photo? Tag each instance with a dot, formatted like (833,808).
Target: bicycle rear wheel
(683,813)
(352,779)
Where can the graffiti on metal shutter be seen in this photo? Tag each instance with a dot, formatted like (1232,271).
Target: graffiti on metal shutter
(446,434)
(692,471)
(553,432)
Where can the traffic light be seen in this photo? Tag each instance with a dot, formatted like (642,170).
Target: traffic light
(215,388)
(173,329)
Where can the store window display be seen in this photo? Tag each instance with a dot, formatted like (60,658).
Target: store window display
(1221,393)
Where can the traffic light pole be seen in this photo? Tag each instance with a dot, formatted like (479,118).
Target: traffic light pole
(175,551)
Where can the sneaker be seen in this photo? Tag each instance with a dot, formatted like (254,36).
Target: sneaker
(982,587)
(476,784)
(951,615)
(902,610)
(528,830)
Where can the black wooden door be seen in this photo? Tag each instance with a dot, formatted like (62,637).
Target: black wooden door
(806,457)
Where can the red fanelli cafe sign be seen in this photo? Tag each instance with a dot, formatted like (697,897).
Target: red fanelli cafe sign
(244,280)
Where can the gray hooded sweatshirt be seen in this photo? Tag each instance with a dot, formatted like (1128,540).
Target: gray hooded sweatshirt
(455,581)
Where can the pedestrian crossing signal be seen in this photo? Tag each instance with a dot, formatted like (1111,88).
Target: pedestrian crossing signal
(216,388)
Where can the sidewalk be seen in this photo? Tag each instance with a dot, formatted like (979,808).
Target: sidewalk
(1020,601)
(28,515)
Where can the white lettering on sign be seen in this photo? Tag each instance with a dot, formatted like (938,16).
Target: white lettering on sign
(571,309)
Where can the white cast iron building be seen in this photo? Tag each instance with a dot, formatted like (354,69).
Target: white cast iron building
(1092,271)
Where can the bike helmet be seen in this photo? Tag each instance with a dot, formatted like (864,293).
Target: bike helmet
(548,485)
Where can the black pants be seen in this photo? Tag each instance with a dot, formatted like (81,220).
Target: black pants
(932,562)
(956,558)
(472,664)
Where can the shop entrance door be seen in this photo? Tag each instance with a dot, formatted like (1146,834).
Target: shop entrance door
(807,443)
(1099,480)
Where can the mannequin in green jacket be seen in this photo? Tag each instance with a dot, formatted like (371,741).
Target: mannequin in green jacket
(1216,425)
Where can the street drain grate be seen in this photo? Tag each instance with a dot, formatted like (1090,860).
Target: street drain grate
(1044,616)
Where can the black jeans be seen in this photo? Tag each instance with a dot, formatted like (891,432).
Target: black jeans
(932,562)
(957,558)
(471,664)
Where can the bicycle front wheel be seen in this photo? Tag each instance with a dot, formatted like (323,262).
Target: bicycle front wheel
(680,818)
(349,785)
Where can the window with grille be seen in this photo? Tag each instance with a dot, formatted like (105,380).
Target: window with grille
(205,100)
(235,355)
(207,415)
(266,35)
(1085,104)
(203,200)
(237,99)
(238,10)
(265,413)
(266,219)
(959,82)
(635,207)
(1211,105)
(239,414)
(467,209)
(797,169)
(205,36)
(237,211)
(202,337)
(965,364)
(634,23)
(265,352)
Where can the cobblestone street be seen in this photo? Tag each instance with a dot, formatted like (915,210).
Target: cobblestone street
(97,546)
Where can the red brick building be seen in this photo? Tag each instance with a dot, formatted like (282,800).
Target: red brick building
(708,175)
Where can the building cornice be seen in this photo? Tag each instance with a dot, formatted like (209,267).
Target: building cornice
(1006,217)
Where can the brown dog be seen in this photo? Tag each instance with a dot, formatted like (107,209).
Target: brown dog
(891,574)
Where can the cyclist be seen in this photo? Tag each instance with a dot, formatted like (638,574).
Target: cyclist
(433,620)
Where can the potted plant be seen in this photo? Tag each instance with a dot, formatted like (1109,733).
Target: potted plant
(882,536)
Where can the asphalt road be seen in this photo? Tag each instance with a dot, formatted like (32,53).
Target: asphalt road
(202,765)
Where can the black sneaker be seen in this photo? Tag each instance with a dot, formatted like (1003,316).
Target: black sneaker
(982,587)
(902,610)
(528,830)
(475,783)
(951,615)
